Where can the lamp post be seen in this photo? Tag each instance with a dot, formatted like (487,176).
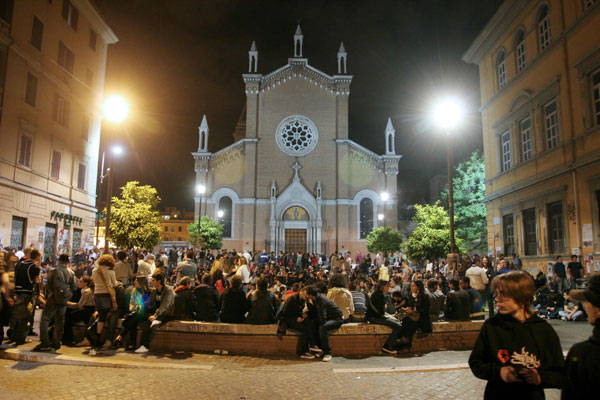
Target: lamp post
(115,110)
(447,114)
(200,189)
(384,198)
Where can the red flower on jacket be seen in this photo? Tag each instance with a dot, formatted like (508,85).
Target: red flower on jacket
(503,356)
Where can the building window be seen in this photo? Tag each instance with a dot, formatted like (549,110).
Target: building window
(366,217)
(93,39)
(31,89)
(508,230)
(55,167)
(89,77)
(25,149)
(596,96)
(17,232)
(81,177)
(520,51)
(501,70)
(178,229)
(551,124)
(526,147)
(61,111)
(225,209)
(70,14)
(166,229)
(172,229)
(66,58)
(77,233)
(37,33)
(544,35)
(506,161)
(85,127)
(555,228)
(529,230)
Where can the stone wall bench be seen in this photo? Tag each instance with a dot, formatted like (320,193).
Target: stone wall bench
(353,339)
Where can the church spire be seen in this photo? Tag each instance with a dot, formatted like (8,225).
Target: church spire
(341,56)
(298,39)
(203,136)
(253,58)
(390,138)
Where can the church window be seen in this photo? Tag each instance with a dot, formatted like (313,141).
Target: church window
(366,217)
(225,217)
(521,55)
(297,135)
(544,35)
(501,70)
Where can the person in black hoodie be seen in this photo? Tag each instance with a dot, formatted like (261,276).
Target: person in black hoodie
(329,317)
(206,300)
(418,314)
(184,304)
(295,317)
(233,302)
(582,367)
(517,352)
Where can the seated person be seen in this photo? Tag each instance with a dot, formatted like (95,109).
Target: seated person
(436,299)
(206,300)
(139,311)
(184,305)
(458,303)
(295,317)
(573,310)
(80,311)
(329,318)
(340,295)
(262,304)
(234,304)
(360,304)
(418,317)
(376,314)
(474,298)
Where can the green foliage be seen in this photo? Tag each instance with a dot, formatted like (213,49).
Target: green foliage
(431,237)
(384,239)
(469,209)
(206,233)
(135,221)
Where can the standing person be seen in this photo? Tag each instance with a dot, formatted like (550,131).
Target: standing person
(582,366)
(478,278)
(575,267)
(123,271)
(59,290)
(187,267)
(27,274)
(104,294)
(330,318)
(489,271)
(560,274)
(517,352)
(376,315)
(517,263)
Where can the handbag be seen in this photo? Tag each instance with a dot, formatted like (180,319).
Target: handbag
(111,291)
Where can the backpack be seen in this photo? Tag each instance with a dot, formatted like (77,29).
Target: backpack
(62,287)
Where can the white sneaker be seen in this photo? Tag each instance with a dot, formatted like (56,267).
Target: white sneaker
(92,352)
(142,349)
(327,357)
(308,356)
(315,349)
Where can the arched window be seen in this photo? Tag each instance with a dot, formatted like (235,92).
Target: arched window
(225,215)
(543,27)
(366,217)
(520,53)
(501,70)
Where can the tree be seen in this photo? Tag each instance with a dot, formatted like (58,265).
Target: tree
(469,209)
(206,233)
(431,237)
(385,239)
(135,221)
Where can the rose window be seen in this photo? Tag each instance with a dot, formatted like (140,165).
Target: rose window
(297,135)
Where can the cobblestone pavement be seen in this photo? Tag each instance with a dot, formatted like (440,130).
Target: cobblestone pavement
(282,379)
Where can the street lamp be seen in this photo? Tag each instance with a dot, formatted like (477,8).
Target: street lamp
(220,213)
(116,109)
(200,189)
(380,217)
(447,114)
(384,196)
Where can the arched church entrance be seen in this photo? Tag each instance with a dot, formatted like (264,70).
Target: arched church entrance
(295,225)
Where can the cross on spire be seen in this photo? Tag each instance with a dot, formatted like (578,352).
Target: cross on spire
(296,167)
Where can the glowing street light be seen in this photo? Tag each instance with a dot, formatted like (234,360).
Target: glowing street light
(115,108)
(380,217)
(220,213)
(385,196)
(200,189)
(447,114)
(117,150)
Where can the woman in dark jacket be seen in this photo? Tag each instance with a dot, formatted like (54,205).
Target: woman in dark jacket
(206,300)
(184,304)
(262,308)
(233,303)
(417,307)
(517,352)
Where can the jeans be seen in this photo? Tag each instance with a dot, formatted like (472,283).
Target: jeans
(307,333)
(324,329)
(52,312)
(20,317)
(394,324)
(578,314)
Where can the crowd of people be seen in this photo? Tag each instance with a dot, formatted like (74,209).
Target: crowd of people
(307,293)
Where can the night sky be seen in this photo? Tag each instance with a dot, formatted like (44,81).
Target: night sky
(179,59)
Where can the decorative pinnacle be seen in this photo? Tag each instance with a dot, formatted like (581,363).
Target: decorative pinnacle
(342,49)
(253,47)
(204,124)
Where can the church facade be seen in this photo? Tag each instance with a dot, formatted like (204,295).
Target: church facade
(293,180)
